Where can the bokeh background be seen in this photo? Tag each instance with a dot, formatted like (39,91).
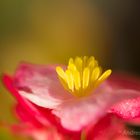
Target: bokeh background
(51,31)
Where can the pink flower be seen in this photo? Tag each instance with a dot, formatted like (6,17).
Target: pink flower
(72,98)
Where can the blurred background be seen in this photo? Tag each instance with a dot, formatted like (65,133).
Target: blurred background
(51,31)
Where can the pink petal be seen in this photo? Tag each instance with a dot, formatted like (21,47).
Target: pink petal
(77,114)
(40,85)
(46,102)
(27,117)
(29,112)
(26,105)
(121,80)
(46,134)
(127,109)
(108,128)
(42,133)
(135,121)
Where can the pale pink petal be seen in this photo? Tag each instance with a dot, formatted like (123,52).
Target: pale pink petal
(46,102)
(40,85)
(77,114)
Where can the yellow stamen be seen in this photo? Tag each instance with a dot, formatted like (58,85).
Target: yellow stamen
(70,80)
(79,63)
(104,76)
(95,74)
(77,80)
(86,77)
(82,75)
(61,73)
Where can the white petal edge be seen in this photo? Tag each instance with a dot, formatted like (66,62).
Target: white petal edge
(42,102)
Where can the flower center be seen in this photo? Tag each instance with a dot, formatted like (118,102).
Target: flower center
(82,75)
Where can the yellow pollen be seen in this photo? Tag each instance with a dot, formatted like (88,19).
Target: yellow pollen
(82,75)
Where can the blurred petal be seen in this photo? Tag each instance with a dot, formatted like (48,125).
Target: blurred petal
(125,81)
(108,128)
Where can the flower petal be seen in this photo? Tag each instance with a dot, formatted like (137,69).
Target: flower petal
(40,85)
(75,115)
(47,102)
(26,105)
(127,109)
(120,80)
(108,128)
(27,117)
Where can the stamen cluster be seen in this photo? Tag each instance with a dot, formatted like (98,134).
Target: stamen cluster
(82,75)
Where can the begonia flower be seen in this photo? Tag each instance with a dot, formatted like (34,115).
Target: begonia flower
(72,98)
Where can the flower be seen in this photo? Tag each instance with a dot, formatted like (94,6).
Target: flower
(72,99)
